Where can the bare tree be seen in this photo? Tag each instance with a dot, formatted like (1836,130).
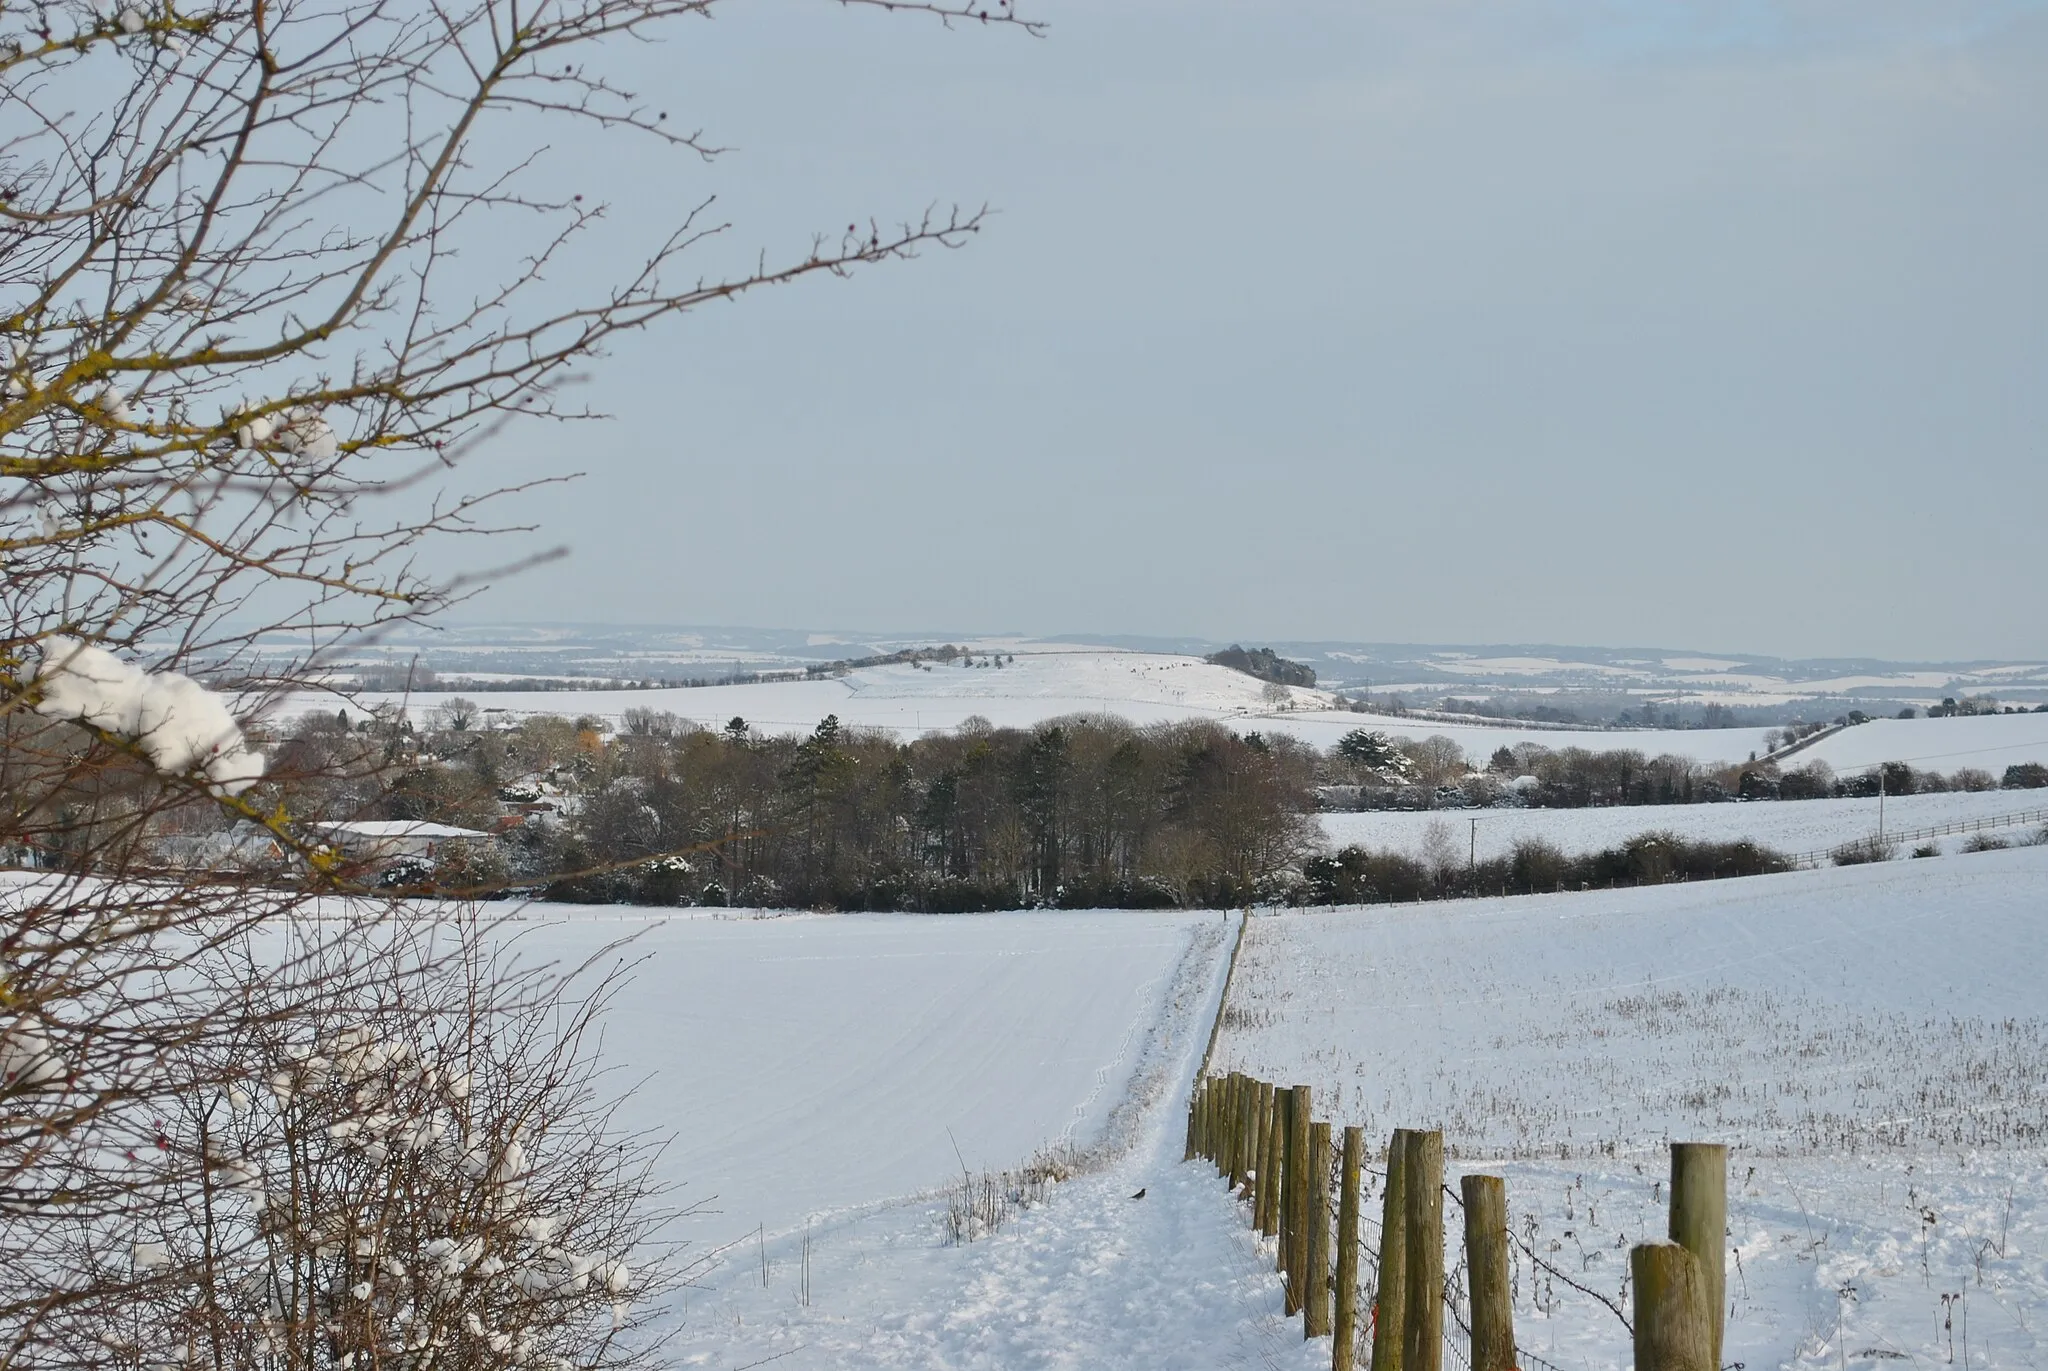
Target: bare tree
(249,1118)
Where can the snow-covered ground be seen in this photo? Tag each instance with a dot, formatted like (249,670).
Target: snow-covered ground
(1150,687)
(1791,826)
(1990,742)
(1872,1042)
(1142,686)
(825,1077)
(811,1064)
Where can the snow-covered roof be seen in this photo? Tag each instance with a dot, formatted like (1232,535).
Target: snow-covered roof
(396,828)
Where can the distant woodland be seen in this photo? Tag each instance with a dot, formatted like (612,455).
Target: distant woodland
(1083,811)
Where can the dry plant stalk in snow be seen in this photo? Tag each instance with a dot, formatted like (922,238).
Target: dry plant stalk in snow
(270,1122)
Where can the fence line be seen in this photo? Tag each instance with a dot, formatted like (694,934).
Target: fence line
(1268,1148)
(1914,835)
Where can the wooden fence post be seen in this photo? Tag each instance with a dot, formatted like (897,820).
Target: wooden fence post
(1344,1352)
(1189,1155)
(1226,1095)
(1294,1229)
(1254,1136)
(1239,1090)
(1255,1180)
(1315,1316)
(1486,1264)
(1422,1328)
(1276,1160)
(1283,1197)
(1673,1332)
(1390,1289)
(1699,1223)
(1226,1155)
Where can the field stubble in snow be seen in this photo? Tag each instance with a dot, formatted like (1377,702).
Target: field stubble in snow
(1869,1041)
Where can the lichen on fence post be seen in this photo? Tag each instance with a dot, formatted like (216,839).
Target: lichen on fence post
(1275,1145)
(1294,1228)
(1699,1223)
(1315,1322)
(1344,1351)
(1486,1265)
(1390,1283)
(1422,1328)
(1673,1331)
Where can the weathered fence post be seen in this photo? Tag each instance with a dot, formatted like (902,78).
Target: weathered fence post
(1390,1290)
(1256,1152)
(1189,1155)
(1233,1083)
(1315,1315)
(1226,1114)
(1294,1234)
(1276,1160)
(1254,1136)
(1422,1328)
(1344,1352)
(1283,1190)
(1486,1263)
(1240,1136)
(1673,1331)
(1699,1223)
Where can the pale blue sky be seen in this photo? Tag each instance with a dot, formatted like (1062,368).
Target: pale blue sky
(1712,325)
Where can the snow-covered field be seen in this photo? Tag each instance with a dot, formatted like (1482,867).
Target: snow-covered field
(1871,1041)
(825,1077)
(1161,687)
(1145,687)
(1791,826)
(827,1063)
(1991,742)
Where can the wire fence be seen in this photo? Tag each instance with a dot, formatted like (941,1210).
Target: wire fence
(1310,1204)
(1990,823)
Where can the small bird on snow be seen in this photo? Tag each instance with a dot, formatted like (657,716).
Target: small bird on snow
(1140,1195)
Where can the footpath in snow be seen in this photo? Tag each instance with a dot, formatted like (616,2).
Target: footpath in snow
(1017,1029)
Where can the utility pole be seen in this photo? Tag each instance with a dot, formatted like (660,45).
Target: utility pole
(1880,801)
(1472,855)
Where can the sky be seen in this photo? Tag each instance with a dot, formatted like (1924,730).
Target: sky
(1718,326)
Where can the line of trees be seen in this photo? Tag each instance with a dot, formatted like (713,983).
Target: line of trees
(1361,875)
(1085,811)
(1082,812)
(1369,770)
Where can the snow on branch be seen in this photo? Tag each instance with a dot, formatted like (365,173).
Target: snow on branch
(179,724)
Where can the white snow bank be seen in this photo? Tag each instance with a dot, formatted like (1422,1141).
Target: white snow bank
(179,724)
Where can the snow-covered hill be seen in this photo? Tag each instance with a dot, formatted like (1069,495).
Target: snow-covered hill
(1033,686)
(1145,687)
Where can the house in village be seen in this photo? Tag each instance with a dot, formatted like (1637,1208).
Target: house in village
(380,843)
